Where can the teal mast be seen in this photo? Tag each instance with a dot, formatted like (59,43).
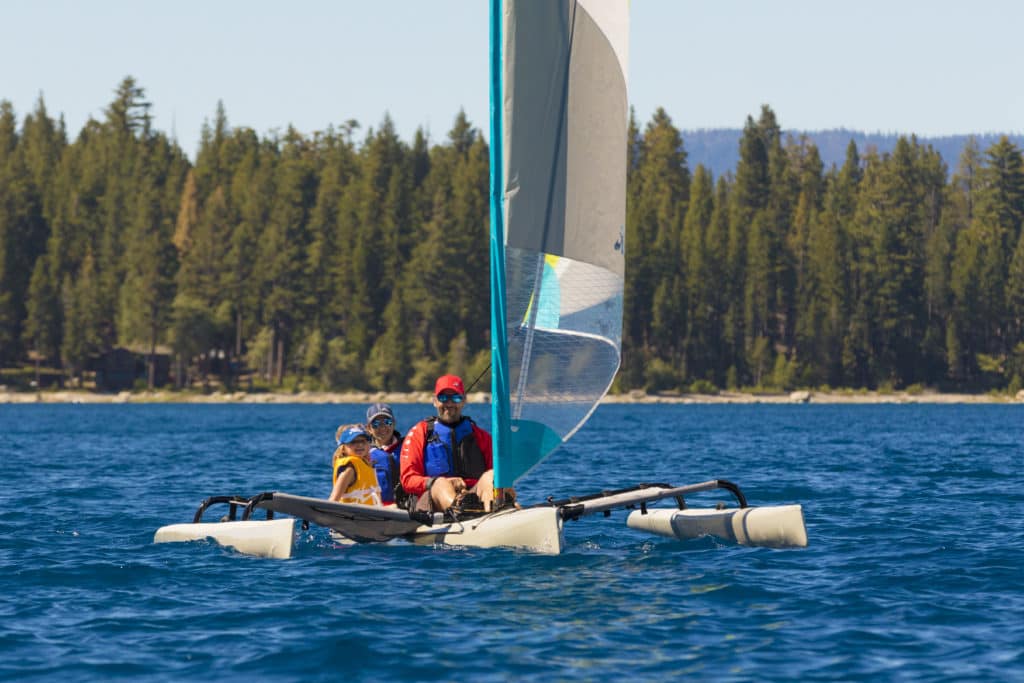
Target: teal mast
(501,426)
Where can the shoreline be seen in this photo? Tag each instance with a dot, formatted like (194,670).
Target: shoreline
(634,397)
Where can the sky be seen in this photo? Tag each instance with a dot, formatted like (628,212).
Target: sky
(900,66)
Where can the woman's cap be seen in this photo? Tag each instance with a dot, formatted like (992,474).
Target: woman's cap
(351,434)
(378,409)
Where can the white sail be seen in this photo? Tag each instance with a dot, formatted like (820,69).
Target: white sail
(564,112)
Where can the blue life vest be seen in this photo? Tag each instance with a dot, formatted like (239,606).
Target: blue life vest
(452,451)
(386,466)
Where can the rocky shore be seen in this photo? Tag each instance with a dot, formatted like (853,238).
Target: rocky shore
(838,397)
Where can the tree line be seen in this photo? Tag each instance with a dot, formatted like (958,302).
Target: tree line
(356,260)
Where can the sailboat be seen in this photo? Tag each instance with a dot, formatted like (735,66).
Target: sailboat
(558,130)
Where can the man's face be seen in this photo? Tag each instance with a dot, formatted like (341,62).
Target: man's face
(449,405)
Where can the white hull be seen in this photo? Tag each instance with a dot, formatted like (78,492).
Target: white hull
(773,527)
(269,538)
(537,530)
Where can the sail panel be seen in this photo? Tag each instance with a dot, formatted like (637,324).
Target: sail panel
(565,108)
(564,131)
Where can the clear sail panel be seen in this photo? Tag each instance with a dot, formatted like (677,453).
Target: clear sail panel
(564,332)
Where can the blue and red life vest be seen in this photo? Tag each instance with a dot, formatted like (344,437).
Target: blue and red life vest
(452,450)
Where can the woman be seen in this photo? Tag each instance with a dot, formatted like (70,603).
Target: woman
(355,480)
(380,422)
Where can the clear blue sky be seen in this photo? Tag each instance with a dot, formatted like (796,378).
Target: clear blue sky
(931,68)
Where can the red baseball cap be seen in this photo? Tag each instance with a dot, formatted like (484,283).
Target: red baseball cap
(449,383)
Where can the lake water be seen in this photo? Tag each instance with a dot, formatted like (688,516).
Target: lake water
(915,569)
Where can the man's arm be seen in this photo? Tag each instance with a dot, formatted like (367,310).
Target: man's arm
(414,478)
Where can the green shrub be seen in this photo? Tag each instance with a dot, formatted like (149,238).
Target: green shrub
(660,376)
(703,386)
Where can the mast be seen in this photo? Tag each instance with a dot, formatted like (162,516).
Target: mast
(500,418)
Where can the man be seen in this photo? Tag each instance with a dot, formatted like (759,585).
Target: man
(447,459)
(380,422)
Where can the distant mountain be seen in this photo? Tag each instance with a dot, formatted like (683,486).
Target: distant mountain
(718,148)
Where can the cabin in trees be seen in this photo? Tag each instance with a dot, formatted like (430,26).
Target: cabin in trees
(119,368)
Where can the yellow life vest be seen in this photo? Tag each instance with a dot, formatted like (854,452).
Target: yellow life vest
(364,490)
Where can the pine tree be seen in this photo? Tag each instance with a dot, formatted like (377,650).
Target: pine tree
(363,279)
(984,307)
(1002,203)
(287,295)
(325,250)
(470,213)
(252,191)
(9,314)
(145,304)
(1015,295)
(390,362)
(749,196)
(200,311)
(654,320)
(716,252)
(446,299)
(43,323)
(22,229)
(188,216)
(44,143)
(940,247)
(81,336)
(859,362)
(895,226)
(699,283)
(824,308)
(631,372)
(758,290)
(932,175)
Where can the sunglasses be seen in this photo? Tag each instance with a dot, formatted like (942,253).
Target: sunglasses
(381,421)
(454,398)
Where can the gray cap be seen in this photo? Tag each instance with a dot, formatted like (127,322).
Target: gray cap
(379,409)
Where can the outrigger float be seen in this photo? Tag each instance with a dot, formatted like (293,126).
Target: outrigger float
(538,528)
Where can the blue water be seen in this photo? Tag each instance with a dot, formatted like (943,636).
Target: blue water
(914,569)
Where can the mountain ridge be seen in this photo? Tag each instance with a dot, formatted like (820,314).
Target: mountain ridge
(718,148)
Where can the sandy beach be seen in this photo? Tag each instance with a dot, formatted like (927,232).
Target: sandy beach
(638,397)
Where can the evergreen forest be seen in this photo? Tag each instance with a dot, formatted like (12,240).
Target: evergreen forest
(352,259)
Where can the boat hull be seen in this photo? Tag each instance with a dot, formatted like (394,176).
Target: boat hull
(537,530)
(266,538)
(779,526)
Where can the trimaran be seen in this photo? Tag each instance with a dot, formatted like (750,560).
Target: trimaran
(558,128)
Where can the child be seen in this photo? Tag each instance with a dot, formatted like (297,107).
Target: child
(355,480)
